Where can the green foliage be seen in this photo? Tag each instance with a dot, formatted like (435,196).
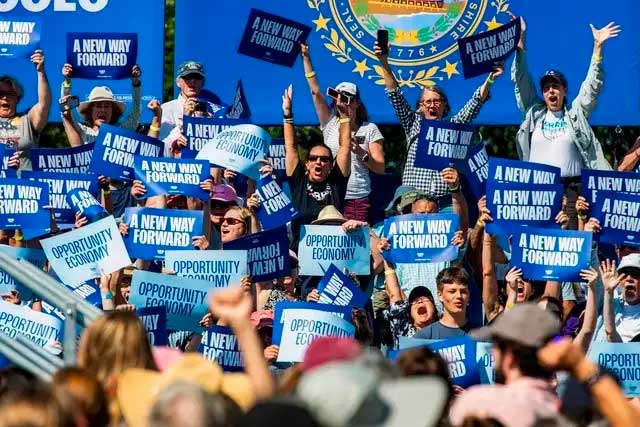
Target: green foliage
(169,32)
(361,8)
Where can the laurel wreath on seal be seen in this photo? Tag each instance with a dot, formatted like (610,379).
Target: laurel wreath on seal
(339,49)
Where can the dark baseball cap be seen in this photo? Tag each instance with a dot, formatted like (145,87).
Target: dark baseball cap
(190,67)
(525,324)
(419,292)
(553,76)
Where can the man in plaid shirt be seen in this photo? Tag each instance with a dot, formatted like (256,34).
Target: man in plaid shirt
(433,105)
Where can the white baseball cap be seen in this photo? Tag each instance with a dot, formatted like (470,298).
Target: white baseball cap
(629,261)
(348,87)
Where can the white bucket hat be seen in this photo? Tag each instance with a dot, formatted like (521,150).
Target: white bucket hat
(100,93)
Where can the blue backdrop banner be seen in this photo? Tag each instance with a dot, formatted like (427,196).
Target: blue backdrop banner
(423,51)
(83,16)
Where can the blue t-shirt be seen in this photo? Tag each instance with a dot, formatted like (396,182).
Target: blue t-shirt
(438,331)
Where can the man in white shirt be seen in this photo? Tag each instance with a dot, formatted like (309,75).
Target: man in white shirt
(190,80)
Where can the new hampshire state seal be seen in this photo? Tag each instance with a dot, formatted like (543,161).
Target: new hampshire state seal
(422,34)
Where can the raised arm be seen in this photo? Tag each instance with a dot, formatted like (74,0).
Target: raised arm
(391,283)
(610,280)
(39,113)
(154,128)
(322,109)
(133,119)
(489,280)
(343,158)
(592,84)
(631,159)
(583,338)
(459,203)
(291,158)
(524,88)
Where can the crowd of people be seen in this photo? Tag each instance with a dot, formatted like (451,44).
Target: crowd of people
(541,331)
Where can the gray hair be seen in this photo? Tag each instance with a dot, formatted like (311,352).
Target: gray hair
(186,404)
(15,84)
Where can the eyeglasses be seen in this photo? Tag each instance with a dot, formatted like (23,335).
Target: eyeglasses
(232,221)
(430,102)
(323,159)
(8,93)
(421,300)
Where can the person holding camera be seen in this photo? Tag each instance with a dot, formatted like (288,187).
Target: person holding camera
(101,107)
(432,105)
(366,139)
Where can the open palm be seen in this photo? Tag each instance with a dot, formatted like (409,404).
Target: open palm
(601,35)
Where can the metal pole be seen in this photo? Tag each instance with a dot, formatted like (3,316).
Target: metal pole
(29,356)
(70,315)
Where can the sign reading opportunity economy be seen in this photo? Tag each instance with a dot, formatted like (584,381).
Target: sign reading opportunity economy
(479,53)
(594,180)
(221,345)
(623,359)
(116,148)
(37,327)
(323,245)
(273,38)
(153,231)
(60,184)
(239,148)
(102,55)
(267,253)
(22,204)
(442,144)
(220,268)
(66,160)
(546,254)
(185,299)
(421,238)
(87,252)
(19,36)
(619,216)
(172,176)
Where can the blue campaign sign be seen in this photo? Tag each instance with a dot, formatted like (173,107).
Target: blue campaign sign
(220,268)
(546,254)
(5,170)
(60,184)
(109,56)
(423,51)
(116,148)
(67,160)
(84,202)
(185,299)
(172,176)
(267,253)
(22,204)
(277,156)
(520,172)
(460,355)
(85,253)
(619,216)
(323,245)
(298,325)
(594,180)
(273,38)
(34,256)
(239,148)
(337,288)
(61,17)
(40,328)
(443,144)
(153,231)
(202,130)
(514,205)
(623,360)
(19,36)
(275,208)
(480,52)
(88,290)
(419,238)
(477,169)
(221,345)
(154,320)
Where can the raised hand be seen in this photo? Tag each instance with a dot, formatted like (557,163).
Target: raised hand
(313,296)
(590,276)
(485,214)
(232,306)
(38,59)
(451,177)
(610,279)
(498,70)
(304,50)
(14,160)
(287,100)
(67,71)
(582,206)
(154,105)
(458,239)
(512,277)
(200,242)
(81,220)
(383,245)
(271,353)
(605,33)
(563,219)
(593,225)
(138,189)
(136,72)
(253,202)
(352,225)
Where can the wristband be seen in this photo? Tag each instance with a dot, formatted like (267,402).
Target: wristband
(66,84)
(455,189)
(154,128)
(490,81)
(345,120)
(582,217)
(597,58)
(389,272)
(480,223)
(106,191)
(108,295)
(18,237)
(288,121)
(310,74)
(136,84)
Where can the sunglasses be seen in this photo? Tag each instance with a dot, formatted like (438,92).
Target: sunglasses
(193,76)
(221,205)
(323,159)
(232,221)
(8,93)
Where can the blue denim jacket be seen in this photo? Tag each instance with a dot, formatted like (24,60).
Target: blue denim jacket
(577,113)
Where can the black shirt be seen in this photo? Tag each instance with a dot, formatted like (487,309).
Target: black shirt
(309,198)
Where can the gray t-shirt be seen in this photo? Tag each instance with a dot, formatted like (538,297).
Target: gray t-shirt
(18,134)
(438,331)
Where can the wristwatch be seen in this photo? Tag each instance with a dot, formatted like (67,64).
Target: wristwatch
(365,158)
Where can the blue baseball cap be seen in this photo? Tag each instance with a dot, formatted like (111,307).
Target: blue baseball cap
(554,76)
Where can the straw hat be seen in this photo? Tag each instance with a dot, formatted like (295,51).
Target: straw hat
(138,388)
(97,94)
(329,215)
